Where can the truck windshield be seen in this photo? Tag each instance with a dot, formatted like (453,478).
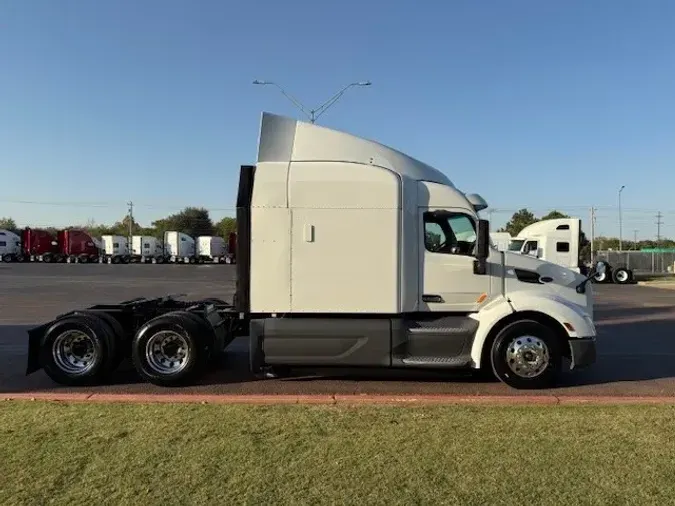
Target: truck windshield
(516,244)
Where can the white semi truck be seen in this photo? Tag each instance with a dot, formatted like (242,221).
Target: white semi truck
(10,246)
(559,241)
(421,288)
(147,248)
(115,249)
(179,248)
(555,240)
(211,248)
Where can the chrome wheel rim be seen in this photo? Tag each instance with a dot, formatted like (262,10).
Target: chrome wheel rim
(74,352)
(600,277)
(622,276)
(527,356)
(167,352)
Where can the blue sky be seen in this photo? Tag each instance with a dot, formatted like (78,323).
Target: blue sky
(532,104)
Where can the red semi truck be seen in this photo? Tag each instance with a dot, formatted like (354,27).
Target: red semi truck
(71,245)
(77,246)
(35,243)
(231,257)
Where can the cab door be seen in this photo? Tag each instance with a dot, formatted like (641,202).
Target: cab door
(447,276)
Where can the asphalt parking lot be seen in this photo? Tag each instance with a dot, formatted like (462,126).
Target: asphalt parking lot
(636,341)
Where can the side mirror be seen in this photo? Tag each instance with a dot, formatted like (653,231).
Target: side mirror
(600,268)
(483,240)
(482,247)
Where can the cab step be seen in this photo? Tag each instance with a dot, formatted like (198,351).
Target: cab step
(461,361)
(435,341)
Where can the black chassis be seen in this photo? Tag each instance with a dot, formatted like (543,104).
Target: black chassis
(133,314)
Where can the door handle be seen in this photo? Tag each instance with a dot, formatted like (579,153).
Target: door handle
(432,298)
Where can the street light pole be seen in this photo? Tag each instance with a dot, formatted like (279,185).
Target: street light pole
(620,220)
(313,114)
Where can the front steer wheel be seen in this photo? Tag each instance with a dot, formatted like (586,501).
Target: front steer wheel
(171,350)
(526,355)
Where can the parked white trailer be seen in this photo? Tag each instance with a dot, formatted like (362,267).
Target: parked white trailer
(115,249)
(147,248)
(211,248)
(179,247)
(10,245)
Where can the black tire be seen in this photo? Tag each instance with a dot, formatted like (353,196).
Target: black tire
(99,338)
(526,330)
(605,278)
(621,276)
(119,344)
(183,327)
(7,258)
(209,334)
(160,260)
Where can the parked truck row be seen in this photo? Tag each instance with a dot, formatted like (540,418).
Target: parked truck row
(78,246)
(558,241)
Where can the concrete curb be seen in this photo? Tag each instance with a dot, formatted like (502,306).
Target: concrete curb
(339,399)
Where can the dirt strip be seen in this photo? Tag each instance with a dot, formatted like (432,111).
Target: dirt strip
(337,399)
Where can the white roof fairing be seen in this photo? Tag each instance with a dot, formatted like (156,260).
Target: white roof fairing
(543,227)
(284,139)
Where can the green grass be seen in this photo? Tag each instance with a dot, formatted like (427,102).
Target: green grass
(225,455)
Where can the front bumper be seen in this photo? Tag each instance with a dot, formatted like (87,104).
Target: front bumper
(582,352)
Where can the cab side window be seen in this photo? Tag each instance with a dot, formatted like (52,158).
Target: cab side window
(449,233)
(531,247)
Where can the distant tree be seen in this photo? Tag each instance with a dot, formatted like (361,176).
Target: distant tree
(8,224)
(225,227)
(554,215)
(519,221)
(194,221)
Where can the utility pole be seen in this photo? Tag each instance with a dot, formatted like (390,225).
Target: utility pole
(658,227)
(635,239)
(620,220)
(592,234)
(313,114)
(658,236)
(131,223)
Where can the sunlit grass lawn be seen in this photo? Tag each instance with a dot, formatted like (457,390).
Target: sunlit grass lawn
(130,454)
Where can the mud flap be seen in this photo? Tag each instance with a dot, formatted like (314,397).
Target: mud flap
(35,336)
(582,352)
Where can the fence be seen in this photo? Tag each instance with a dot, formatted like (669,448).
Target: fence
(640,261)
